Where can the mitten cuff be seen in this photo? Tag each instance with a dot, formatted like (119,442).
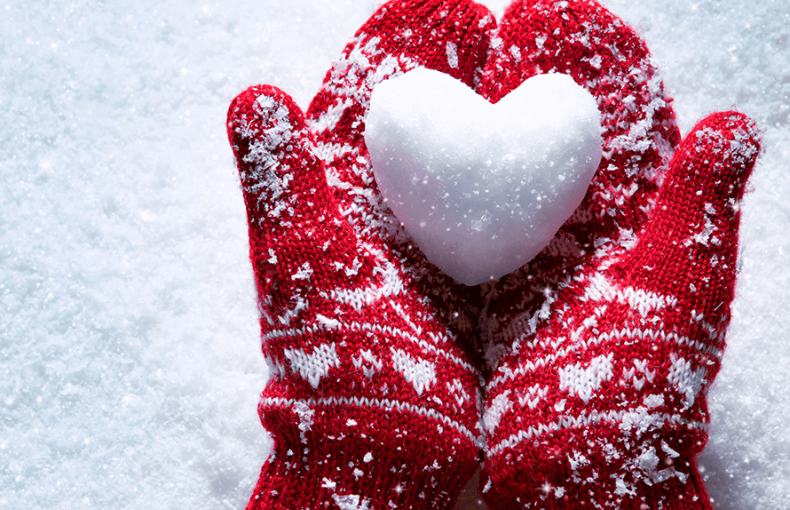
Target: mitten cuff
(640,479)
(357,458)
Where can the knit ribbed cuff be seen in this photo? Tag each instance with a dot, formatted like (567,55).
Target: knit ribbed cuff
(356,458)
(554,487)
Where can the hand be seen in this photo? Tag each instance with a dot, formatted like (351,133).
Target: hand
(374,397)
(603,347)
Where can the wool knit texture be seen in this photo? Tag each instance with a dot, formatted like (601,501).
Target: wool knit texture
(374,400)
(597,354)
(600,350)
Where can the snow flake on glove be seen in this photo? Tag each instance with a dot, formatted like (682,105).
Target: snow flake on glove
(351,502)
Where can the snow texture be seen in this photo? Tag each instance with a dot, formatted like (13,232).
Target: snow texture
(482,188)
(130,363)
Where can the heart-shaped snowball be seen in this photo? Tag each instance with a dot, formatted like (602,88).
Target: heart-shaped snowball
(482,188)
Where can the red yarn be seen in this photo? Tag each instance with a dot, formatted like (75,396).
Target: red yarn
(374,398)
(599,351)
(602,348)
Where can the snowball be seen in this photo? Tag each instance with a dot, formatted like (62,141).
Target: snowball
(482,188)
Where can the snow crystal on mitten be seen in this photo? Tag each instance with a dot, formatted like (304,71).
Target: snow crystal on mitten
(374,398)
(602,349)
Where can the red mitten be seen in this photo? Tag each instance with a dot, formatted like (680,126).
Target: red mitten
(374,400)
(603,347)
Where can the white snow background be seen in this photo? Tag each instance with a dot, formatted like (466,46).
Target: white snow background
(129,356)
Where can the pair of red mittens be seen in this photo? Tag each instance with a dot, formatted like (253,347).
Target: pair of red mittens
(599,351)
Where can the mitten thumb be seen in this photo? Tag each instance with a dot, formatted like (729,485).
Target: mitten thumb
(689,247)
(295,227)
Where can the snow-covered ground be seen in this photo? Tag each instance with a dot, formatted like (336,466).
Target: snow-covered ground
(129,359)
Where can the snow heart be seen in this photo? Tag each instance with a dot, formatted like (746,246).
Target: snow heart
(482,188)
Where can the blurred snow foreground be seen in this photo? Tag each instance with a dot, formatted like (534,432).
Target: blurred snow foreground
(482,188)
(130,353)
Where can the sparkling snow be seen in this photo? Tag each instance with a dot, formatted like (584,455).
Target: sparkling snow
(482,188)
(131,364)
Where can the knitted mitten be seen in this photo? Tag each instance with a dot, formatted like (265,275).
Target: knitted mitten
(603,347)
(374,400)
